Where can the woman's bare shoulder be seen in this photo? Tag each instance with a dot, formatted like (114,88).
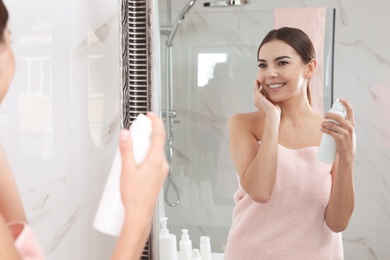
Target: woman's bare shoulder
(248,117)
(252,122)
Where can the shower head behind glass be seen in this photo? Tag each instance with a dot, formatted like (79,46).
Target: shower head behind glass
(179,20)
(225,3)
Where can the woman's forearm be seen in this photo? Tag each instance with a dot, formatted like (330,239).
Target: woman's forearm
(342,199)
(132,240)
(259,178)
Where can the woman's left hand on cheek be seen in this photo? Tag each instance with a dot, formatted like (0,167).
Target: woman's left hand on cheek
(344,133)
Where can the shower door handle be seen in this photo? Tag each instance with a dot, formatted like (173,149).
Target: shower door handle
(171,114)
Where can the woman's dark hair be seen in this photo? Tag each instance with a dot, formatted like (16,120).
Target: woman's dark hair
(3,19)
(298,40)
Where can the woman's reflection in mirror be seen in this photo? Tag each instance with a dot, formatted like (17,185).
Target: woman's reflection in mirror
(289,205)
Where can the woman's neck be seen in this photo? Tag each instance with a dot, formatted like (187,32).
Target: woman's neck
(296,112)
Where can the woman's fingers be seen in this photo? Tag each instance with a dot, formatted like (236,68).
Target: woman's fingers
(158,134)
(156,155)
(346,123)
(126,149)
(329,127)
(261,89)
(256,88)
(349,110)
(259,94)
(336,119)
(256,92)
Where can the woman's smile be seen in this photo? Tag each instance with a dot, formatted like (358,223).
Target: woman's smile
(276,85)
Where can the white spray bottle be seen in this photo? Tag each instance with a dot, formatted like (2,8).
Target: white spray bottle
(327,149)
(110,214)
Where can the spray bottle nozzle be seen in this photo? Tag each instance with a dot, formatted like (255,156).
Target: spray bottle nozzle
(338,106)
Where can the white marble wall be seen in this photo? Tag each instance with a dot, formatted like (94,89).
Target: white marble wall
(362,75)
(59,122)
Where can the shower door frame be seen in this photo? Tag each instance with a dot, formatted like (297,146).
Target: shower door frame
(140,76)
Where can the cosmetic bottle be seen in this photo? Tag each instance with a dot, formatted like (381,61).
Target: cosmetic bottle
(327,149)
(185,246)
(168,248)
(205,248)
(110,214)
(196,254)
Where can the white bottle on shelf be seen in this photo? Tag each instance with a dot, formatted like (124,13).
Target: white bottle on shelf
(185,246)
(168,248)
(110,214)
(196,254)
(327,149)
(205,248)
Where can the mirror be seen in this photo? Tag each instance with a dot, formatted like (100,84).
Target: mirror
(212,72)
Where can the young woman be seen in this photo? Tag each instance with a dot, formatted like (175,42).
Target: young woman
(10,203)
(289,205)
(140,184)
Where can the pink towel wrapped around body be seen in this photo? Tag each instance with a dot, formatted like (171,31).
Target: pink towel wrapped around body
(25,241)
(291,225)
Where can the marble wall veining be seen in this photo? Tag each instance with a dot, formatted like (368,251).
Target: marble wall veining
(60,120)
(361,74)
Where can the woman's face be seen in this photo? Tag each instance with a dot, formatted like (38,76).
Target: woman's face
(282,72)
(7,64)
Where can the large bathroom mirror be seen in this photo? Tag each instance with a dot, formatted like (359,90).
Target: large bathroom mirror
(208,69)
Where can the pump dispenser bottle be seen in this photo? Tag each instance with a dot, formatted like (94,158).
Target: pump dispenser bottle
(110,214)
(168,248)
(327,149)
(185,246)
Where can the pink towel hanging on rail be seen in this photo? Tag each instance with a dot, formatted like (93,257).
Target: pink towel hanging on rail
(311,20)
